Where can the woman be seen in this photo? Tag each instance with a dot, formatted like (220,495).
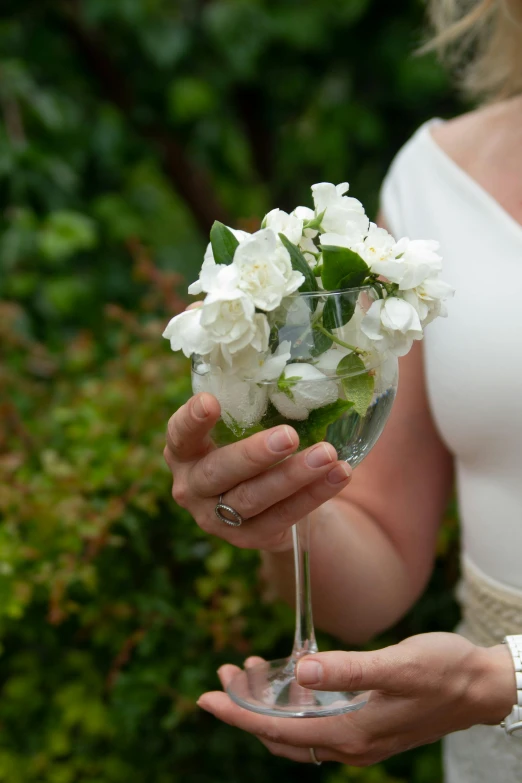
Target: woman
(458,413)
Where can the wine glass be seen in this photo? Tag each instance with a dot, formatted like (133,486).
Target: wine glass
(335,387)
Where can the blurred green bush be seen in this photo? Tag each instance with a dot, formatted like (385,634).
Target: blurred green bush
(126,127)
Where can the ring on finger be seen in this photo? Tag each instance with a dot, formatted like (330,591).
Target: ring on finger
(237,520)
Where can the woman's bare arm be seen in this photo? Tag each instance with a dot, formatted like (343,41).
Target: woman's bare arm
(373,546)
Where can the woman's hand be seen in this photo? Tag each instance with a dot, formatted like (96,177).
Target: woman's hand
(261,477)
(421,689)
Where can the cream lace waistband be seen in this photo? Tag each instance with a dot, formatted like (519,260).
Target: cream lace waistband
(490,610)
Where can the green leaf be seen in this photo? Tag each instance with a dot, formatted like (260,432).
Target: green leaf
(320,342)
(286,385)
(338,310)
(224,243)
(300,264)
(65,233)
(315,223)
(342,268)
(306,342)
(190,98)
(357,382)
(314,429)
(226,432)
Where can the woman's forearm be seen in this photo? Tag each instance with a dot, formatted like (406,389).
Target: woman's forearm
(360,583)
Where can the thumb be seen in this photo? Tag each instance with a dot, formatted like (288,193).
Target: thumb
(385,670)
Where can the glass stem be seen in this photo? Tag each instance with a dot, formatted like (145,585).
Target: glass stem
(304,641)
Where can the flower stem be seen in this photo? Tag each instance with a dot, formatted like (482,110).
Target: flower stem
(337,340)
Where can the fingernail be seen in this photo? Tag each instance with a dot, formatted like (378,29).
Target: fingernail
(319,457)
(309,672)
(281,439)
(339,474)
(200,409)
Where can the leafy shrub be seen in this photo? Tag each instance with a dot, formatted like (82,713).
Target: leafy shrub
(127,127)
(115,609)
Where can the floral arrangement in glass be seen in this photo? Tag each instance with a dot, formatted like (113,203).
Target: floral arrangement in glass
(302,323)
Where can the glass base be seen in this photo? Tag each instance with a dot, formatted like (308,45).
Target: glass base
(270,688)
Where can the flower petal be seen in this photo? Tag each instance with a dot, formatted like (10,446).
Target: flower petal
(398,315)
(186,333)
(371,324)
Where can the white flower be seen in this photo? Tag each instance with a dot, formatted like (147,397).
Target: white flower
(265,271)
(428,299)
(310,251)
(301,389)
(282,223)
(304,213)
(213,276)
(343,215)
(272,366)
(243,403)
(306,243)
(253,364)
(336,240)
(328,361)
(393,324)
(209,270)
(186,333)
(418,260)
(237,334)
(378,246)
(326,195)
(288,408)
(228,314)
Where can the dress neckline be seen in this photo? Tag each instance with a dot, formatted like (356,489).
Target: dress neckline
(465,179)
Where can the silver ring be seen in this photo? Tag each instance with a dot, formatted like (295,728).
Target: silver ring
(314,757)
(238,519)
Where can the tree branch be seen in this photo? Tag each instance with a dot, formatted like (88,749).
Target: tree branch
(192,183)
(249,106)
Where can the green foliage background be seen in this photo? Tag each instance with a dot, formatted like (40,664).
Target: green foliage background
(126,127)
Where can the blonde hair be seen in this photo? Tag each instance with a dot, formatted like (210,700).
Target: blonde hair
(483,40)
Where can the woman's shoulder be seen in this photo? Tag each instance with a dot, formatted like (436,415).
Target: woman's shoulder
(470,140)
(483,141)
(464,136)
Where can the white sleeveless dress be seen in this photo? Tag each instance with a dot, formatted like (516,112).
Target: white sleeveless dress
(473,364)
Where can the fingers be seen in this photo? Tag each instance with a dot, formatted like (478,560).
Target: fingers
(188,429)
(254,660)
(269,530)
(254,496)
(384,670)
(227,673)
(224,468)
(301,755)
(287,512)
(313,732)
